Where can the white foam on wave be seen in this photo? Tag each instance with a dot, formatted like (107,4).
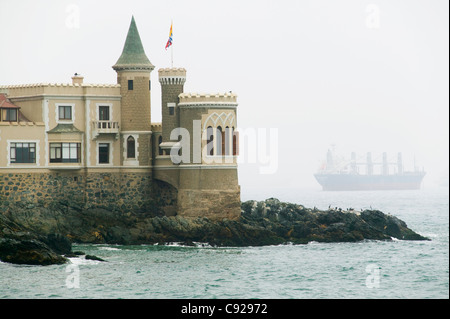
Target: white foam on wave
(108,248)
(83,261)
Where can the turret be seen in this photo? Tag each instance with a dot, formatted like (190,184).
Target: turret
(133,74)
(172,83)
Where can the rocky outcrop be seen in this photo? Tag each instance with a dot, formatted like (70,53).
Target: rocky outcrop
(268,222)
(30,252)
(299,224)
(19,245)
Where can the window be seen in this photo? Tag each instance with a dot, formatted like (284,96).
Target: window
(171,107)
(131,147)
(235,142)
(65,112)
(103,113)
(130,85)
(23,153)
(65,152)
(210,141)
(149,85)
(9,115)
(103,153)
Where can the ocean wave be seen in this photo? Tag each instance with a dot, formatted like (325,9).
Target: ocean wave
(181,244)
(431,235)
(81,260)
(109,248)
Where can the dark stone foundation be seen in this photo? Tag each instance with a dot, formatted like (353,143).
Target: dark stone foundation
(123,191)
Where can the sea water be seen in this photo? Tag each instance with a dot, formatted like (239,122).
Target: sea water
(367,269)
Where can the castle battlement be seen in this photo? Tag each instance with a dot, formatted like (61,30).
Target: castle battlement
(63,89)
(42,85)
(172,72)
(175,76)
(156,127)
(201,99)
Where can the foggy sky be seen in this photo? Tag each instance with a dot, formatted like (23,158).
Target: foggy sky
(363,75)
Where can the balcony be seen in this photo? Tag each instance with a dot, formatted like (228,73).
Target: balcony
(105,127)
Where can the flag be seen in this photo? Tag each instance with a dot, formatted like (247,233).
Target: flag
(169,42)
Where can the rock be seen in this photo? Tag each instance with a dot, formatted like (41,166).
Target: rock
(390,225)
(267,222)
(30,252)
(91,257)
(58,243)
(297,224)
(74,254)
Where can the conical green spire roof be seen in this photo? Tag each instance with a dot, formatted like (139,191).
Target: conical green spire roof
(133,55)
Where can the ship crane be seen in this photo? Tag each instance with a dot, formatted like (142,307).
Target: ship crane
(338,165)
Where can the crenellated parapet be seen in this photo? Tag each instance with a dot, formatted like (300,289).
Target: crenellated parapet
(42,85)
(206,99)
(63,89)
(172,76)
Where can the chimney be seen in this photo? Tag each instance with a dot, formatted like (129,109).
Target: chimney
(77,79)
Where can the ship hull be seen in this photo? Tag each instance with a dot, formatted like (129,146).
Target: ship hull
(354,182)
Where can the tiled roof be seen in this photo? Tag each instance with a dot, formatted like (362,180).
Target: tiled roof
(65,128)
(5,103)
(133,54)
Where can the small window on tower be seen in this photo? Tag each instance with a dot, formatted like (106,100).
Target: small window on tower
(130,85)
(171,107)
(149,85)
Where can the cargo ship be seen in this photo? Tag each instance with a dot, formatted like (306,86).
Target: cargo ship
(336,174)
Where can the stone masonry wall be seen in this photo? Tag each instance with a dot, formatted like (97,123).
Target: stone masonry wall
(169,122)
(135,105)
(213,204)
(145,151)
(115,191)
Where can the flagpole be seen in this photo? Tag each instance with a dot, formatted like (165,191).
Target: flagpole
(171,47)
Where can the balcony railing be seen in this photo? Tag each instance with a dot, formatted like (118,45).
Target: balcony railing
(105,127)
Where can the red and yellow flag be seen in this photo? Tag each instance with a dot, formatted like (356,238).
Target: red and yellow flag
(169,42)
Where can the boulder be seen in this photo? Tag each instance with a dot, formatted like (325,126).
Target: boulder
(58,243)
(92,257)
(30,252)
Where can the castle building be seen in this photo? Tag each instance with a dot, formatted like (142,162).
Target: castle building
(94,145)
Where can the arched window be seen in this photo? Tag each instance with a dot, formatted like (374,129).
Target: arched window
(160,151)
(235,142)
(131,147)
(210,141)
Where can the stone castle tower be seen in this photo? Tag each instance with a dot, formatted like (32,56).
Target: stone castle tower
(94,145)
(133,75)
(204,186)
